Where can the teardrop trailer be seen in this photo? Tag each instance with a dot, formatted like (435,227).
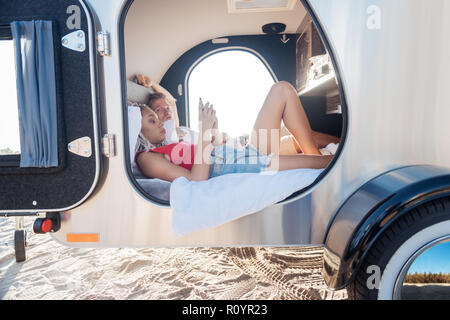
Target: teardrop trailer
(380,85)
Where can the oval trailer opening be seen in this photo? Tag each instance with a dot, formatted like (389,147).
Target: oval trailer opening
(176,59)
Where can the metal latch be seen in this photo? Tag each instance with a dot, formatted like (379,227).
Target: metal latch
(75,41)
(103,43)
(108,144)
(81,147)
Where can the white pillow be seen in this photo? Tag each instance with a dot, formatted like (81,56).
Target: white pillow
(190,136)
(171,131)
(134,127)
(173,135)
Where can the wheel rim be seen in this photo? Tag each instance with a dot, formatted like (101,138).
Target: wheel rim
(398,265)
(397,294)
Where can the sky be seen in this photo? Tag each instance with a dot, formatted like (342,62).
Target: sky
(9,119)
(435,260)
(236,82)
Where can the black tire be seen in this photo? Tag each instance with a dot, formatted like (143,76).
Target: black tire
(419,218)
(19,245)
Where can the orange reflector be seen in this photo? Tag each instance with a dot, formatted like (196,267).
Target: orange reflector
(82,237)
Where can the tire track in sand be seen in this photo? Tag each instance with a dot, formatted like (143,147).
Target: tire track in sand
(296,272)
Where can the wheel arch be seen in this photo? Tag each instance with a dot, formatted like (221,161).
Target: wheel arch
(369,211)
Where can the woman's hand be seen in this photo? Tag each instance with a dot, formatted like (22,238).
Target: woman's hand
(144,81)
(206,116)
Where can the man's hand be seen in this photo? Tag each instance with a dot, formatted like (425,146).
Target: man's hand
(144,80)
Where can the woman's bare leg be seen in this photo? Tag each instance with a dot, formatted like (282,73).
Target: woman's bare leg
(288,144)
(299,161)
(282,103)
(323,139)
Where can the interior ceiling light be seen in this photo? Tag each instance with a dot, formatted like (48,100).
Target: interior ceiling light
(238,6)
(273,28)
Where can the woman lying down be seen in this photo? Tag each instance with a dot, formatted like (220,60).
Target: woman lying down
(210,158)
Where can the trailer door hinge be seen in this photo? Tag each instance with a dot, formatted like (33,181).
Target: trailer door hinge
(103,43)
(108,145)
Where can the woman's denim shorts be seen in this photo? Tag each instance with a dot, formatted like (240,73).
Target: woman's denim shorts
(226,159)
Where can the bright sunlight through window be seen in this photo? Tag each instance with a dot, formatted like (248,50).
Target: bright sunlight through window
(236,82)
(9,119)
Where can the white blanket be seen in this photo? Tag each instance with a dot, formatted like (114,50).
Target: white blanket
(206,204)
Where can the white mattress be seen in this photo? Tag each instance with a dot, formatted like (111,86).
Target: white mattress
(156,188)
(206,204)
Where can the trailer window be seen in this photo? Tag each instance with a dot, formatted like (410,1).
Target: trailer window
(9,118)
(236,82)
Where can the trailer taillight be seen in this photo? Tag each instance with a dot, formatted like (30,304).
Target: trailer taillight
(43,225)
(46,225)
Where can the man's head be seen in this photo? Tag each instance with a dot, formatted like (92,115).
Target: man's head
(158,103)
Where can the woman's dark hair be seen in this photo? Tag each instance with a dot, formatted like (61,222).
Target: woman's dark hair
(155,96)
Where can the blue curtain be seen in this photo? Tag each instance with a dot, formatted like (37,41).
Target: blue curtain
(36,93)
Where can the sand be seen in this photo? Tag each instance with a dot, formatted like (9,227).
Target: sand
(53,271)
(428,291)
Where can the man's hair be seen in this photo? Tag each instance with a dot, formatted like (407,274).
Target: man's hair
(155,96)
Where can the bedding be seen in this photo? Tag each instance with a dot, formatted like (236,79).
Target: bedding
(198,205)
(161,189)
(155,187)
(134,127)
(137,94)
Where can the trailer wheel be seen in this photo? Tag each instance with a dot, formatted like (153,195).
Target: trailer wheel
(396,247)
(19,245)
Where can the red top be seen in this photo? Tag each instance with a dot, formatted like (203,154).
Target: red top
(180,153)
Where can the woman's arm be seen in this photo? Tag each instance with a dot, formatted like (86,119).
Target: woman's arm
(299,161)
(202,158)
(154,165)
